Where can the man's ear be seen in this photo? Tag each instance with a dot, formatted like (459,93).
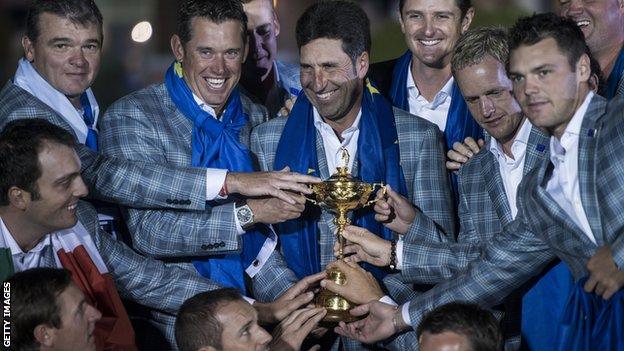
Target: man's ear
(276,23)
(361,65)
(18,197)
(467,20)
(29,48)
(45,335)
(583,68)
(177,47)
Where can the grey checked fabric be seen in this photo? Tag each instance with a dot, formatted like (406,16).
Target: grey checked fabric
(483,212)
(146,126)
(140,184)
(519,253)
(422,160)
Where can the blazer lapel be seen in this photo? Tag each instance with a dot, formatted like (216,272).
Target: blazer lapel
(588,139)
(495,187)
(537,150)
(320,156)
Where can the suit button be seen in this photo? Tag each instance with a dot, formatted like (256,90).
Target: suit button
(176,202)
(187,202)
(222,244)
(256,263)
(211,246)
(204,247)
(168,201)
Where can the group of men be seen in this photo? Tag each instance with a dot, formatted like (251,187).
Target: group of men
(212,177)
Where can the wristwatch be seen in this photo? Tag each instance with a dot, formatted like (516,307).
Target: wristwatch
(244,214)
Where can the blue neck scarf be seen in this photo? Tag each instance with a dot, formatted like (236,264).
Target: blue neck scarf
(459,123)
(92,138)
(615,76)
(215,144)
(378,159)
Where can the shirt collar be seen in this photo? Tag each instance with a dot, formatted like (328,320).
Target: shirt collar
(12,244)
(321,126)
(440,97)
(204,106)
(518,147)
(571,134)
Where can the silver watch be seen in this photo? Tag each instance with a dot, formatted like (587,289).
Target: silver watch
(244,214)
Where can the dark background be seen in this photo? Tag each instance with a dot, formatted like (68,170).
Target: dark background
(128,66)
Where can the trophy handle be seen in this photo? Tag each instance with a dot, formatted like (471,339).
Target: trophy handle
(382,188)
(312,201)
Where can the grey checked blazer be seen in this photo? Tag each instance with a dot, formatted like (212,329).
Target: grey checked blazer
(542,230)
(140,184)
(146,126)
(483,212)
(422,160)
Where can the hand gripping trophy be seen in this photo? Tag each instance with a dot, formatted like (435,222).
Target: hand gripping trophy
(340,194)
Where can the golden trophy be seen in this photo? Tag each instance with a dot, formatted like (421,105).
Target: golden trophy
(340,194)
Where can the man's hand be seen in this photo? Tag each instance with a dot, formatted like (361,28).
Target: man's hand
(360,285)
(365,246)
(376,326)
(288,105)
(462,152)
(394,211)
(270,184)
(273,210)
(294,298)
(290,333)
(604,277)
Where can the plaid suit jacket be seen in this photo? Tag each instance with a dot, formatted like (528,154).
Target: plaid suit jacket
(483,212)
(146,126)
(140,184)
(422,159)
(542,230)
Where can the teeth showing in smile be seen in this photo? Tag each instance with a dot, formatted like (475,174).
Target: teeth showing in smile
(72,207)
(582,23)
(430,42)
(325,96)
(215,83)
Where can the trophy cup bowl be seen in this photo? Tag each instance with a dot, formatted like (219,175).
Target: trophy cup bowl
(340,194)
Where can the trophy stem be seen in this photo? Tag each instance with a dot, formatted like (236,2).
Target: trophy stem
(341,221)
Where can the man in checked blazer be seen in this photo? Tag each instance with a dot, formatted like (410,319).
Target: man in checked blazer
(334,44)
(563,211)
(151,126)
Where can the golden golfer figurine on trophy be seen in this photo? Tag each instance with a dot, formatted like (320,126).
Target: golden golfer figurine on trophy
(340,194)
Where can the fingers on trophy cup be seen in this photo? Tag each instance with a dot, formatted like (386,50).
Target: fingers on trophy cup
(340,194)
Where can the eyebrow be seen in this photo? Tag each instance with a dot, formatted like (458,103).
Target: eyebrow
(68,40)
(63,179)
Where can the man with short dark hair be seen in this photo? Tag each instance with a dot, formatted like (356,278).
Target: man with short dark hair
(602,23)
(49,312)
(62,54)
(268,80)
(197,117)
(341,111)
(223,320)
(461,327)
(44,223)
(568,205)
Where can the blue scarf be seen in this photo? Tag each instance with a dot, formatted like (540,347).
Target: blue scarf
(591,323)
(378,159)
(92,138)
(615,76)
(215,144)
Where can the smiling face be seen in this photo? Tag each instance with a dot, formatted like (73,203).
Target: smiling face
(60,187)
(488,93)
(601,21)
(67,55)
(78,320)
(431,29)
(241,332)
(211,59)
(331,81)
(263,28)
(548,89)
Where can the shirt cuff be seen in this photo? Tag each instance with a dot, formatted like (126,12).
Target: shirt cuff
(399,253)
(388,300)
(249,299)
(263,256)
(405,314)
(239,227)
(215,178)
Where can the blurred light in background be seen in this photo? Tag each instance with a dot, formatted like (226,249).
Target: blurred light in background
(141,32)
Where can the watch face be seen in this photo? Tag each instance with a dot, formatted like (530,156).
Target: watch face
(244,215)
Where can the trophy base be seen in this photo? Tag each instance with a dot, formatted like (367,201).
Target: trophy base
(337,306)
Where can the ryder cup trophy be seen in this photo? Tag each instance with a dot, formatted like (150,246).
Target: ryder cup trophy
(340,194)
